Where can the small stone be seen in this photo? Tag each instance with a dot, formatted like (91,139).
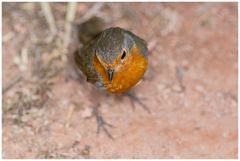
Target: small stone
(225,134)
(161,87)
(200,89)
(177,88)
(25,118)
(78,137)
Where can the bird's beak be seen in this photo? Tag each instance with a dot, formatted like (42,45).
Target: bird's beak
(110,74)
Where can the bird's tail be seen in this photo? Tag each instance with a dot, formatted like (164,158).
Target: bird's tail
(89,29)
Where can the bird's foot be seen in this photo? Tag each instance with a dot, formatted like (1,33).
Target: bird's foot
(138,100)
(102,124)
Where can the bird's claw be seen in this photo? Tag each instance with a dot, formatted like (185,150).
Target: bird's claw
(134,98)
(102,124)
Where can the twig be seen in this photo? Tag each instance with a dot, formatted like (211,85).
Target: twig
(69,115)
(71,11)
(92,11)
(12,83)
(49,17)
(171,21)
(151,46)
(7,37)
(180,75)
(22,60)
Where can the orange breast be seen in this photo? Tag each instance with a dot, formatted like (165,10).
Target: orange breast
(126,75)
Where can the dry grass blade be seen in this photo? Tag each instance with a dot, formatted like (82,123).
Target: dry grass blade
(7,37)
(12,83)
(71,10)
(49,17)
(92,11)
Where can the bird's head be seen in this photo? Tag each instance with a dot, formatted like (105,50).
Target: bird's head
(120,58)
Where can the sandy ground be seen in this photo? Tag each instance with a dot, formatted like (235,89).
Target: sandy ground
(190,86)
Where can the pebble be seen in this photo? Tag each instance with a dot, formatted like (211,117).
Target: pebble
(177,88)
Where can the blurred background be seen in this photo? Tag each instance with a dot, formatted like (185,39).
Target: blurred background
(190,86)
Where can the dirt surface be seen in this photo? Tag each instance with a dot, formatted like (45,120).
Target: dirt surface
(190,86)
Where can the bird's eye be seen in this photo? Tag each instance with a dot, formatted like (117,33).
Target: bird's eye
(123,54)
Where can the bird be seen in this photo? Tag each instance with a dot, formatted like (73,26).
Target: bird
(112,59)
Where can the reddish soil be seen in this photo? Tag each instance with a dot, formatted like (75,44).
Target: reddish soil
(190,86)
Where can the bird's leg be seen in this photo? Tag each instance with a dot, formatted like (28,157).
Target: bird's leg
(138,100)
(101,123)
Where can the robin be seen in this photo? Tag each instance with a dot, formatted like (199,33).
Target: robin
(112,59)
